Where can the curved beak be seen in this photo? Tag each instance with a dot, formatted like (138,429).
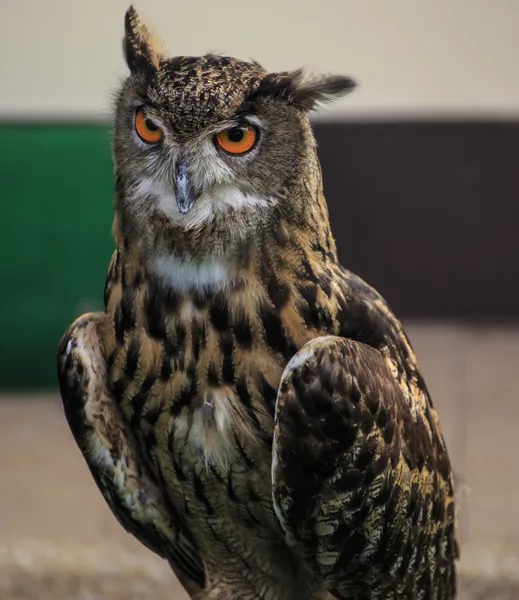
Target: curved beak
(184,191)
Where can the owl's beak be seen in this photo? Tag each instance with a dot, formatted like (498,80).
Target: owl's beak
(184,190)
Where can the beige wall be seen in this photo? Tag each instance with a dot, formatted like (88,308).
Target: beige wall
(63,57)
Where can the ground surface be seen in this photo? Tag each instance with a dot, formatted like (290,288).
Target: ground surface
(58,540)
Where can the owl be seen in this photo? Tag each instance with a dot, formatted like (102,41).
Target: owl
(250,410)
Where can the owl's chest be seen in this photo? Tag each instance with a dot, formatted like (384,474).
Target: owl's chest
(212,439)
(198,383)
(196,374)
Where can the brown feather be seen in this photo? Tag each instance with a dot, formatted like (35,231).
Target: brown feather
(361,481)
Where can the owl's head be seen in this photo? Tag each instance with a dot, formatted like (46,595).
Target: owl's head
(208,148)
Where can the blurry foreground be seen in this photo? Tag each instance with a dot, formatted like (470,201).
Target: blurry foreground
(60,542)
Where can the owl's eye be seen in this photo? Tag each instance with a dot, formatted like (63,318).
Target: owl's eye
(237,140)
(148,131)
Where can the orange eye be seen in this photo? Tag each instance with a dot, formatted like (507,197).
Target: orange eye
(146,128)
(237,140)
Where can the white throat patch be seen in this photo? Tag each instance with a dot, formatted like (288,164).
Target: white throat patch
(199,275)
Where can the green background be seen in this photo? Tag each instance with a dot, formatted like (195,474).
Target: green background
(55,240)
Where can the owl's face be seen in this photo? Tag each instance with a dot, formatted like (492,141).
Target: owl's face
(210,141)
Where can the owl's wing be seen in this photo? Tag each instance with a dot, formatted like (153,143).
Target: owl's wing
(361,487)
(111,453)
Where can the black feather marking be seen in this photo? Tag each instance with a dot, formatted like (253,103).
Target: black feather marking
(181,476)
(216,474)
(275,335)
(219,312)
(184,399)
(307,273)
(388,432)
(242,330)
(213,377)
(154,311)
(117,389)
(112,358)
(227,348)
(243,454)
(243,393)
(198,337)
(166,369)
(267,391)
(132,358)
(279,292)
(180,335)
(124,318)
(201,495)
(200,299)
(230,489)
(140,398)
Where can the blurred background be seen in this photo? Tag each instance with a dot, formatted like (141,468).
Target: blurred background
(421,178)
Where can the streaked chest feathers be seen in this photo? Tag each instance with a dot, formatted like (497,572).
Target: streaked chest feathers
(195,365)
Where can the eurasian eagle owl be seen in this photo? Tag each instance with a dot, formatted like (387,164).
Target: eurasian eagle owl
(250,410)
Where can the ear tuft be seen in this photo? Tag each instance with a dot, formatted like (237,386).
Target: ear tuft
(143,50)
(306,94)
(309,94)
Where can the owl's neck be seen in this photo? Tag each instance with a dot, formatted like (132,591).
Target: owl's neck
(292,234)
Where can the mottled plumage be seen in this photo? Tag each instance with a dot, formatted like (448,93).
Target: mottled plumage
(250,410)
